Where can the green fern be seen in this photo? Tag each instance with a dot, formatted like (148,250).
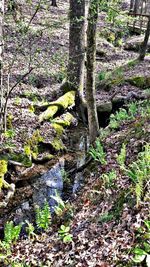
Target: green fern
(121,158)
(98,153)
(139,172)
(43,216)
(11,232)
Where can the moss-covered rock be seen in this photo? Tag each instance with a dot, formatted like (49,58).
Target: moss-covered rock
(58,128)
(31,149)
(142,82)
(3,184)
(59,123)
(21,158)
(3,171)
(57,144)
(63,102)
(43,158)
(65,120)
(49,113)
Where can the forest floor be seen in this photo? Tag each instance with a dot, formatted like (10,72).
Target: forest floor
(106,211)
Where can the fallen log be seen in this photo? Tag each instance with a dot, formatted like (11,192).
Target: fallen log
(63,102)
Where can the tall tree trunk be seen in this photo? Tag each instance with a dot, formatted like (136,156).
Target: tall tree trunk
(144,45)
(75,72)
(136,6)
(1,63)
(131,5)
(54,3)
(90,77)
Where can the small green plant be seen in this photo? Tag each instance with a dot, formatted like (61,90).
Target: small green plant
(106,217)
(65,176)
(119,72)
(109,178)
(60,76)
(121,158)
(98,153)
(59,209)
(132,109)
(43,216)
(102,75)
(10,134)
(118,117)
(64,234)
(9,122)
(122,115)
(132,63)
(113,124)
(27,150)
(11,232)
(139,172)
(142,250)
(30,229)
(17,101)
(144,108)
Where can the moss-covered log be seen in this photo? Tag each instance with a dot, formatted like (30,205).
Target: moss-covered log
(5,185)
(63,121)
(63,102)
(3,171)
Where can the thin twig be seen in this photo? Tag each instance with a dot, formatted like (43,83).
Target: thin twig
(10,91)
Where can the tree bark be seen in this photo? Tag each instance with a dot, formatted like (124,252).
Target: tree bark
(75,71)
(90,76)
(54,3)
(131,5)
(136,6)
(144,45)
(1,63)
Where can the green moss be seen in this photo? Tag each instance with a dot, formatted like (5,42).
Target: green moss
(27,150)
(140,81)
(48,113)
(3,170)
(57,144)
(9,121)
(21,158)
(43,158)
(59,123)
(66,100)
(65,120)
(63,102)
(58,128)
(31,147)
(48,157)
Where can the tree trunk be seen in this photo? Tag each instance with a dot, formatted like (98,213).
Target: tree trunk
(131,5)
(1,63)
(144,45)
(90,77)
(75,71)
(54,3)
(136,6)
